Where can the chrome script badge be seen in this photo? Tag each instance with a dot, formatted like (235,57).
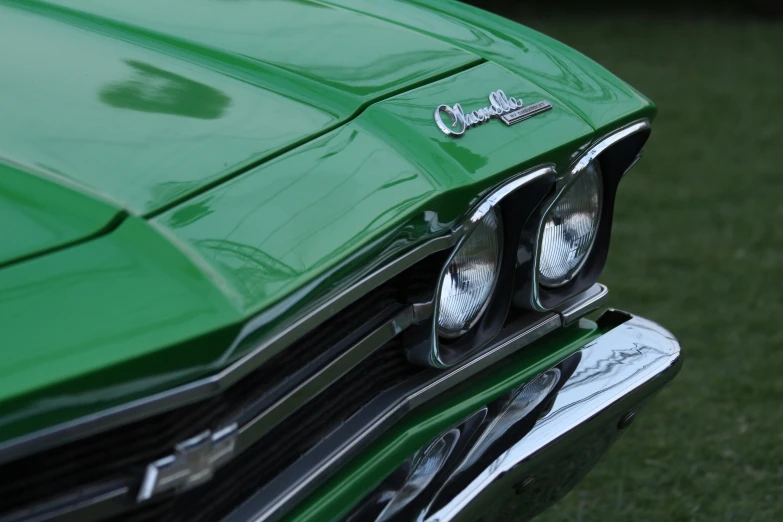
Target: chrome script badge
(510,110)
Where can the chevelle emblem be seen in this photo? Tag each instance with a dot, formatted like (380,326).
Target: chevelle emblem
(510,110)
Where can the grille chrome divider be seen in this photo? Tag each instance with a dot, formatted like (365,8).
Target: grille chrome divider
(263,349)
(267,420)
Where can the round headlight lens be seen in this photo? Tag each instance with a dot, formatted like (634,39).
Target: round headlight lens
(570,228)
(469,278)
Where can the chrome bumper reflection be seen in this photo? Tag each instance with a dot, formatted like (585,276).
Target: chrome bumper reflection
(526,450)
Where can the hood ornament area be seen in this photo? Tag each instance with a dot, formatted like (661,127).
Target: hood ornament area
(510,110)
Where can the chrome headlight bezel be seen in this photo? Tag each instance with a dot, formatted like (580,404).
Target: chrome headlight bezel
(614,155)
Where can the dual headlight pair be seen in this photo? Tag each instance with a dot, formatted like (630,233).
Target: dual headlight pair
(569,231)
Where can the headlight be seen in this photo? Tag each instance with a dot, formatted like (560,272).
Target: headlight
(469,278)
(570,228)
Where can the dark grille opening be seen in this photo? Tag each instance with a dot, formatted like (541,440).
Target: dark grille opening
(285,444)
(121,454)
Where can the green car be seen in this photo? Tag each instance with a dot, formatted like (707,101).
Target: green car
(309,261)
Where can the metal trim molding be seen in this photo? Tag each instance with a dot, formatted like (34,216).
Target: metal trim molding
(390,406)
(615,374)
(214,384)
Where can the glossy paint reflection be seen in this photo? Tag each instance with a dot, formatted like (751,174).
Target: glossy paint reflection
(138,126)
(179,108)
(347,53)
(150,89)
(320,116)
(279,226)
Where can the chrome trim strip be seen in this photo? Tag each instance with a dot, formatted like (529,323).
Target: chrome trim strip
(254,429)
(269,346)
(301,478)
(501,192)
(283,408)
(108,502)
(275,343)
(615,373)
(265,349)
(585,159)
(565,181)
(588,301)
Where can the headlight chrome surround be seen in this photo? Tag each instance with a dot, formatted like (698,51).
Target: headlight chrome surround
(615,154)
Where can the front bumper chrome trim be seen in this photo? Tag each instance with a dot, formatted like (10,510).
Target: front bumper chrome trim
(614,376)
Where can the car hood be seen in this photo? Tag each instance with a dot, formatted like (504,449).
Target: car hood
(142,105)
(39,214)
(260,164)
(136,101)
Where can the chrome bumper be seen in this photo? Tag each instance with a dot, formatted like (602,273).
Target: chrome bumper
(523,451)
(612,378)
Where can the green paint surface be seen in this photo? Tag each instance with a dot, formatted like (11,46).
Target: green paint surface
(39,214)
(280,225)
(101,323)
(177,182)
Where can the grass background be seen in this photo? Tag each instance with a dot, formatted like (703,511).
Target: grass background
(696,246)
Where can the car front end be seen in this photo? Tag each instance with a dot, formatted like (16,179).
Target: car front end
(267,286)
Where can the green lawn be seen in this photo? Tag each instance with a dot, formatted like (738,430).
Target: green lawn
(697,246)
